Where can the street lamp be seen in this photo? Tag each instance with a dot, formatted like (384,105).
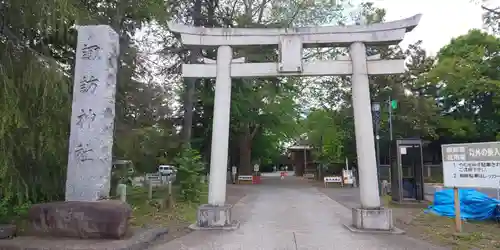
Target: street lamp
(376,123)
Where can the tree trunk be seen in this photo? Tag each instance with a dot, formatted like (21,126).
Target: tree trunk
(187,125)
(245,145)
(190,82)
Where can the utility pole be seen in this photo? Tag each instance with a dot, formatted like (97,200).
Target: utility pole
(376,122)
(320,167)
(391,106)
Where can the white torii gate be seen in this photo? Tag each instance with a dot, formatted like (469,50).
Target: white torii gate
(291,41)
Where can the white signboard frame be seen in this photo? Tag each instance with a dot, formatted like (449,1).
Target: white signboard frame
(333,179)
(471,165)
(245,178)
(309,176)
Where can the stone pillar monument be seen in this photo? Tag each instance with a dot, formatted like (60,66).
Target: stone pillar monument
(93,113)
(370,215)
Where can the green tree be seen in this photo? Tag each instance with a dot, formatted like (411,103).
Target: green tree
(269,110)
(417,114)
(36,100)
(324,132)
(467,78)
(38,42)
(190,168)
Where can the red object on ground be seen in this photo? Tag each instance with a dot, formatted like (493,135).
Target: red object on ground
(284,174)
(256,179)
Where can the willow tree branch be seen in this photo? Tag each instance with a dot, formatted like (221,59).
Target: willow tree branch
(494,11)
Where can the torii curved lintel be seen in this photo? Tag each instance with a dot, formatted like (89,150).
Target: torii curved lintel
(389,32)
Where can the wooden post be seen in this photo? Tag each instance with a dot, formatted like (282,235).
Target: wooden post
(458,220)
(150,190)
(170,196)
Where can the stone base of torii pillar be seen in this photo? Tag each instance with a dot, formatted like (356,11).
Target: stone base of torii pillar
(373,221)
(210,217)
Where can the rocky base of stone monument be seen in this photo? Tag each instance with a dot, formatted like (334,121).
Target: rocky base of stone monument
(75,225)
(210,217)
(373,221)
(7,231)
(79,219)
(137,239)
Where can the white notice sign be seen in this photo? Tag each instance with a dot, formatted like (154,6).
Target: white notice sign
(402,150)
(471,165)
(348,176)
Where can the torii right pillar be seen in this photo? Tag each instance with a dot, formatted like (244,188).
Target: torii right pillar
(371,216)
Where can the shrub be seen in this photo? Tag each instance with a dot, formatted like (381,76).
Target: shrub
(189,169)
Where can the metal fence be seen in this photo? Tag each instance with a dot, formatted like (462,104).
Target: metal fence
(157,179)
(432,172)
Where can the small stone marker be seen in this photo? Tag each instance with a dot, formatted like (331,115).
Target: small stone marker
(150,190)
(122,192)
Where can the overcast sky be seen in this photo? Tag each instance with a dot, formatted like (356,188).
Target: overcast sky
(441,19)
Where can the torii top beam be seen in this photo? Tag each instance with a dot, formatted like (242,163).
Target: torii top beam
(380,33)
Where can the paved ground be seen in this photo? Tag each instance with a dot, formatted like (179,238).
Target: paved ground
(290,214)
(349,197)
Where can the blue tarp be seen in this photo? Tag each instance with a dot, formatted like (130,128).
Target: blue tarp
(474,205)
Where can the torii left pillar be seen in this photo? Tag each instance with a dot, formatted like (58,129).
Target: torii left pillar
(217,214)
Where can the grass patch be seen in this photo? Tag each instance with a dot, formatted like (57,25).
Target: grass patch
(150,212)
(386,200)
(440,230)
(476,235)
(434,178)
